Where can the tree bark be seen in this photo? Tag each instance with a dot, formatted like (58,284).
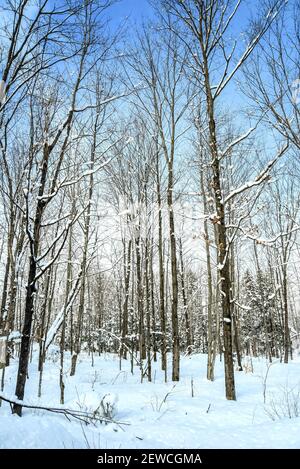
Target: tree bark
(127,271)
(162,312)
(174,300)
(221,241)
(188,336)
(211,333)
(34,241)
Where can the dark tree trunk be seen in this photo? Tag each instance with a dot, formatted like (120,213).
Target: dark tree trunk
(26,337)
(221,241)
(287,344)
(174,301)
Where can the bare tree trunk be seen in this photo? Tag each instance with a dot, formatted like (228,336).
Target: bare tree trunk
(174,301)
(234,312)
(13,281)
(153,316)
(42,319)
(140,297)
(221,241)
(84,262)
(31,283)
(211,333)
(189,342)
(162,312)
(127,271)
(26,335)
(4,293)
(286,313)
(63,330)
(42,328)
(148,316)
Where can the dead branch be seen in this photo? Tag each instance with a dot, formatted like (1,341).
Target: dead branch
(85,417)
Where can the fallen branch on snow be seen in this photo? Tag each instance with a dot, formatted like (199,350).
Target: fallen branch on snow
(82,416)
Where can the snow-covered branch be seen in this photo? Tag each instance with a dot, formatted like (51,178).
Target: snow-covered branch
(236,142)
(263,241)
(54,328)
(262,177)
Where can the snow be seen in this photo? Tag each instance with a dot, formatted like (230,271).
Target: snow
(15,335)
(206,420)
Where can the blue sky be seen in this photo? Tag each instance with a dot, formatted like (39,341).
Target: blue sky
(139,9)
(135,9)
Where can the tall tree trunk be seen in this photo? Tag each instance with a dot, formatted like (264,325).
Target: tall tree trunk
(13,281)
(3,313)
(127,271)
(26,335)
(162,311)
(234,311)
(148,301)
(140,297)
(221,241)
(84,263)
(185,302)
(153,315)
(211,333)
(42,319)
(174,301)
(34,241)
(286,313)
(63,330)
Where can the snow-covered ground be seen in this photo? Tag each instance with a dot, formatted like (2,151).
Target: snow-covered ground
(160,415)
